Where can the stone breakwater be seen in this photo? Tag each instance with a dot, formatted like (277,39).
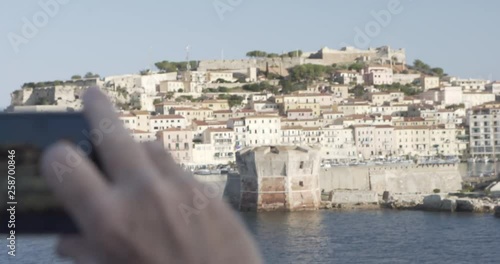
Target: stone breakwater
(348,200)
(445,203)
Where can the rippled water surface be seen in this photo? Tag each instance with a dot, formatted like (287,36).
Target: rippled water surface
(348,237)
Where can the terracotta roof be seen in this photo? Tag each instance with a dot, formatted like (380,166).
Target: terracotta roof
(291,127)
(410,119)
(261,116)
(223,112)
(311,128)
(410,127)
(191,109)
(167,117)
(141,113)
(200,122)
(136,131)
(219,130)
(300,110)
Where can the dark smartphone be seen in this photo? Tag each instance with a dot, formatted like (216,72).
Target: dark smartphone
(27,205)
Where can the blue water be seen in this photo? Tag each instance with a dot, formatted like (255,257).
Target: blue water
(377,237)
(347,237)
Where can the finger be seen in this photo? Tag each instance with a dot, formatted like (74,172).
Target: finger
(75,180)
(121,157)
(76,248)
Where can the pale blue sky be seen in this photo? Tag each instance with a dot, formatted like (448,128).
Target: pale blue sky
(117,37)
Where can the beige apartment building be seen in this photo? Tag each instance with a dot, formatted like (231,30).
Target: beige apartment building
(354,108)
(215,105)
(331,115)
(179,143)
(413,141)
(384,141)
(312,135)
(315,122)
(162,122)
(193,113)
(291,135)
(143,136)
(223,115)
(378,76)
(136,120)
(338,143)
(430,82)
(300,114)
(443,139)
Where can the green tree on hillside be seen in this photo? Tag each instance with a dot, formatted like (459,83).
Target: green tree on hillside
(358,91)
(438,71)
(358,66)
(235,100)
(273,55)
(295,53)
(309,72)
(168,66)
(256,54)
(90,75)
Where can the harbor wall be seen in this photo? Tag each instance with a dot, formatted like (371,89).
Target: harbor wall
(394,179)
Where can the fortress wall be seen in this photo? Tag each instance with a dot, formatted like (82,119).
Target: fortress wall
(416,179)
(344,178)
(395,179)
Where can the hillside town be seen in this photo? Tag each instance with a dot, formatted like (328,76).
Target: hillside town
(361,106)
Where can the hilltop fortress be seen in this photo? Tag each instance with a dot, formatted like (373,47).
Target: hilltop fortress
(325,56)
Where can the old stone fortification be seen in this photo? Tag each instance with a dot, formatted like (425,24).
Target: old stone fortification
(325,56)
(279,178)
(394,179)
(62,98)
(407,185)
(262,64)
(381,55)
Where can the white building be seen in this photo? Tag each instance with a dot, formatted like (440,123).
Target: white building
(470,84)
(484,124)
(263,130)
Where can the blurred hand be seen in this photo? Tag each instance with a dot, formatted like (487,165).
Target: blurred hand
(148,211)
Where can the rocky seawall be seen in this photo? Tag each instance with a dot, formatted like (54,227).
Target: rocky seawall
(361,200)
